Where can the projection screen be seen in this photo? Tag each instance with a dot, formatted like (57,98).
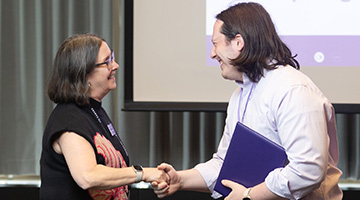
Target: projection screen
(168,42)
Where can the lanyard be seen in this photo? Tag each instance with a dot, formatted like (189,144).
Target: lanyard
(246,104)
(110,128)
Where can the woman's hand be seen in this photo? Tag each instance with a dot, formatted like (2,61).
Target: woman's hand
(155,175)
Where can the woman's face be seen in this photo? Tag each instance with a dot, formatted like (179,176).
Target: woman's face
(102,78)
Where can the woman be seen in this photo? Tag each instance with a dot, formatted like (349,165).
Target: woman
(82,155)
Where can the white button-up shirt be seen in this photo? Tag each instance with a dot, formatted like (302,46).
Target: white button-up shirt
(286,107)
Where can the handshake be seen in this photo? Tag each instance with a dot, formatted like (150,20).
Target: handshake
(164,179)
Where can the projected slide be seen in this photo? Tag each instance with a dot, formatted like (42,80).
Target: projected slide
(321,32)
(168,43)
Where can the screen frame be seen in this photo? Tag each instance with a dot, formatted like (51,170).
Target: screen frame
(131,105)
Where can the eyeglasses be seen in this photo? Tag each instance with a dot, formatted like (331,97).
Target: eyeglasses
(109,61)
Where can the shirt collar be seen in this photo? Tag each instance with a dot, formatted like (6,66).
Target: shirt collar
(246,82)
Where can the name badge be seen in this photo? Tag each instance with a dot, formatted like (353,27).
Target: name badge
(111,129)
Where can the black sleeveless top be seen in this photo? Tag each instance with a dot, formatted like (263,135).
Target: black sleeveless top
(92,123)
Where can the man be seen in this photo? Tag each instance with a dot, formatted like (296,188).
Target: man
(274,99)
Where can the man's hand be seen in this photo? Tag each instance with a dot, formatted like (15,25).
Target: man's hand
(162,189)
(237,189)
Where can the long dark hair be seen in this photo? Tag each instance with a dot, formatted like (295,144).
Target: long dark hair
(263,48)
(74,60)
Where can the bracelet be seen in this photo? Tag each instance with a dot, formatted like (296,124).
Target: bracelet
(246,195)
(139,172)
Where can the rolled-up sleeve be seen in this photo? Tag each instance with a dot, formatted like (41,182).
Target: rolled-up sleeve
(210,170)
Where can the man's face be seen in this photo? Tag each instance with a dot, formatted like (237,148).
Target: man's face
(223,51)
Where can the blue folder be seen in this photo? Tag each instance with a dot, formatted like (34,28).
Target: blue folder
(249,159)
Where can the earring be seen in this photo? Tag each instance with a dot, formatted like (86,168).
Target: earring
(89,84)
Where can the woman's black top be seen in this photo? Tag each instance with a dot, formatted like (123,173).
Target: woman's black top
(92,123)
